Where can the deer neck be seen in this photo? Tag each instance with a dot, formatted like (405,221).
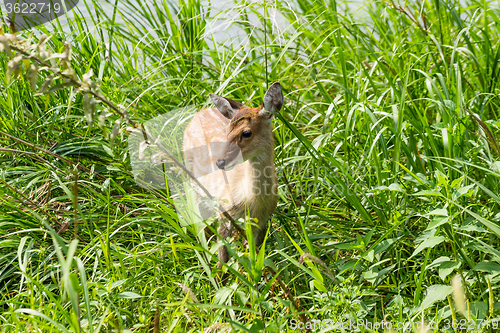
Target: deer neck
(262,175)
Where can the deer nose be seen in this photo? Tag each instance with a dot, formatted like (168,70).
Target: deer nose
(221,164)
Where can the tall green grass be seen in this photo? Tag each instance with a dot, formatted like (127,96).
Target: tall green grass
(387,157)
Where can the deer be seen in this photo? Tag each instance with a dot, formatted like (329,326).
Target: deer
(230,150)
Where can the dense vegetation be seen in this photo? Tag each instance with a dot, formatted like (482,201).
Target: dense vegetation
(386,150)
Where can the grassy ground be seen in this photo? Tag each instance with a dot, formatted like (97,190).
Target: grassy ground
(387,156)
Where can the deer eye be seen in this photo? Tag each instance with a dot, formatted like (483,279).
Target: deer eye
(247,134)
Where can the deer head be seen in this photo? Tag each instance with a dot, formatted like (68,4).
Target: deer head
(250,130)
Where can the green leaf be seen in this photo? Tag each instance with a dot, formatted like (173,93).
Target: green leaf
(437,262)
(112,168)
(435,293)
(384,245)
(75,282)
(128,295)
(107,150)
(457,182)
(479,310)
(41,315)
(371,274)
(241,297)
(464,190)
(450,105)
(492,226)
(447,267)
(428,243)
(439,212)
(368,237)
(395,188)
(487,266)
(428,192)
(257,325)
(117,284)
(484,247)
(258,263)
(370,255)
(223,295)
(437,221)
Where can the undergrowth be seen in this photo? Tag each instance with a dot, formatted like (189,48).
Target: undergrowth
(386,151)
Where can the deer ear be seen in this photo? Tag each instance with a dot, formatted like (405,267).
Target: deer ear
(226,106)
(273,99)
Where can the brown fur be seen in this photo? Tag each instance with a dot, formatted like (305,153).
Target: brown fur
(250,186)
